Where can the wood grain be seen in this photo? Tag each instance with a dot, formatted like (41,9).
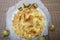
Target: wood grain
(53,7)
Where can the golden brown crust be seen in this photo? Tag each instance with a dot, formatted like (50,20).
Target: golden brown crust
(28,23)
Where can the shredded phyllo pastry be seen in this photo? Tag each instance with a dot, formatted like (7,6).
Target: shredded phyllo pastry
(28,23)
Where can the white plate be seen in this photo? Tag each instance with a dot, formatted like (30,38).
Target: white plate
(10,13)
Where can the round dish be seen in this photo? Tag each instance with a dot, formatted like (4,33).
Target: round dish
(11,12)
(28,23)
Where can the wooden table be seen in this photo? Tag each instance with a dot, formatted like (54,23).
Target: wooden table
(53,7)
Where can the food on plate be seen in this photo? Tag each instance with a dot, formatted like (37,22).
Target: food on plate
(20,8)
(28,23)
(26,5)
(34,5)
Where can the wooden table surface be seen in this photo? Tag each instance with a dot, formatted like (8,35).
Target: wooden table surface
(53,7)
